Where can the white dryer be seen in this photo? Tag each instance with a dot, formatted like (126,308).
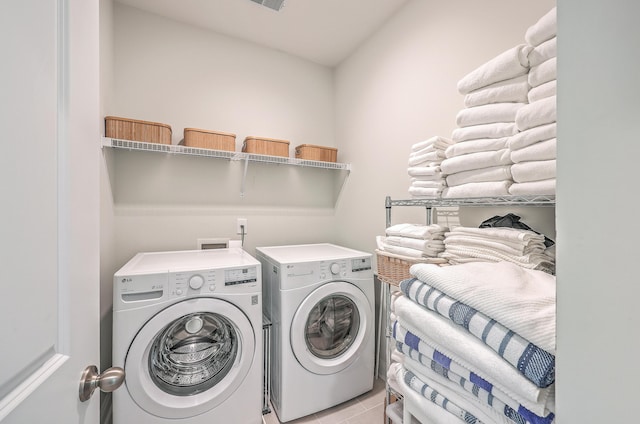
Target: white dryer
(187,329)
(320,300)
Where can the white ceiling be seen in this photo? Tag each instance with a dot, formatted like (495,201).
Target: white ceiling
(322,31)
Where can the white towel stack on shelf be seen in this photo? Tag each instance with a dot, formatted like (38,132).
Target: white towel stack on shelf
(533,150)
(426,180)
(414,241)
(479,163)
(521,247)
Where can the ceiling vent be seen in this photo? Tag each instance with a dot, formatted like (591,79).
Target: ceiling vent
(271,4)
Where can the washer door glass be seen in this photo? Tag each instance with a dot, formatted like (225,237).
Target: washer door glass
(332,326)
(193,353)
(188,359)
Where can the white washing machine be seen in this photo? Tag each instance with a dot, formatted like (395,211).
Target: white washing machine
(320,300)
(187,329)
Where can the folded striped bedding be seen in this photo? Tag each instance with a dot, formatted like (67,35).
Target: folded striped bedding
(434,396)
(536,364)
(470,353)
(469,382)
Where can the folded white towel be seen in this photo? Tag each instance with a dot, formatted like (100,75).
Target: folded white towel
(414,243)
(486,189)
(536,114)
(476,160)
(534,261)
(533,171)
(496,130)
(544,72)
(431,157)
(471,353)
(512,235)
(436,141)
(432,171)
(547,89)
(544,29)
(427,149)
(488,114)
(543,52)
(508,64)
(417,231)
(412,253)
(542,150)
(522,300)
(492,173)
(532,135)
(439,183)
(505,247)
(532,188)
(511,90)
(474,146)
(425,192)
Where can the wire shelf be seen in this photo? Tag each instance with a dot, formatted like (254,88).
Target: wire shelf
(220,154)
(538,200)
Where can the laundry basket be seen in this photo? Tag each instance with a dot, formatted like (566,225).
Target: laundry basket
(392,269)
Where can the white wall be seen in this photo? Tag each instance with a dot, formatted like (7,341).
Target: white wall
(185,76)
(399,88)
(598,229)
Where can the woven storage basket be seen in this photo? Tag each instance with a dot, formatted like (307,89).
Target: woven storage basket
(207,139)
(136,130)
(393,270)
(319,153)
(266,146)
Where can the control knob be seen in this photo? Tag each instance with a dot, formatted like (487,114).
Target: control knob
(196,282)
(335,268)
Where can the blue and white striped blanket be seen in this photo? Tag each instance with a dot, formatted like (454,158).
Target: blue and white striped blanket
(484,391)
(534,363)
(429,393)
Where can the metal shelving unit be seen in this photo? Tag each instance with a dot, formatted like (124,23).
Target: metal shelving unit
(429,204)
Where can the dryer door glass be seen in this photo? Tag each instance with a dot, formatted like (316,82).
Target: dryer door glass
(332,326)
(193,353)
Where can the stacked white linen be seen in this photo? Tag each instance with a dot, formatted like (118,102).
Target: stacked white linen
(524,248)
(426,180)
(414,241)
(478,341)
(479,164)
(533,151)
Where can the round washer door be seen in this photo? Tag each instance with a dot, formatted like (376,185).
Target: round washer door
(189,358)
(331,327)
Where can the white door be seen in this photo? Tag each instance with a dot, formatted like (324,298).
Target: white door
(49,222)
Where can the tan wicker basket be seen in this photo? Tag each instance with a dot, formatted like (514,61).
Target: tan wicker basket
(266,146)
(136,130)
(319,153)
(392,270)
(207,139)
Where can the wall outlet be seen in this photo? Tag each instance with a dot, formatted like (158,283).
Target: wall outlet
(242,222)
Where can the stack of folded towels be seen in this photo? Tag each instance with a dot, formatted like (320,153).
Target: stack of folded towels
(426,180)
(479,163)
(533,150)
(477,343)
(525,248)
(414,241)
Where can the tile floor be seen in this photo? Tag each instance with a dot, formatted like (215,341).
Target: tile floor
(367,408)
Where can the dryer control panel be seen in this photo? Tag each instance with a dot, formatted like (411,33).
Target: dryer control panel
(302,274)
